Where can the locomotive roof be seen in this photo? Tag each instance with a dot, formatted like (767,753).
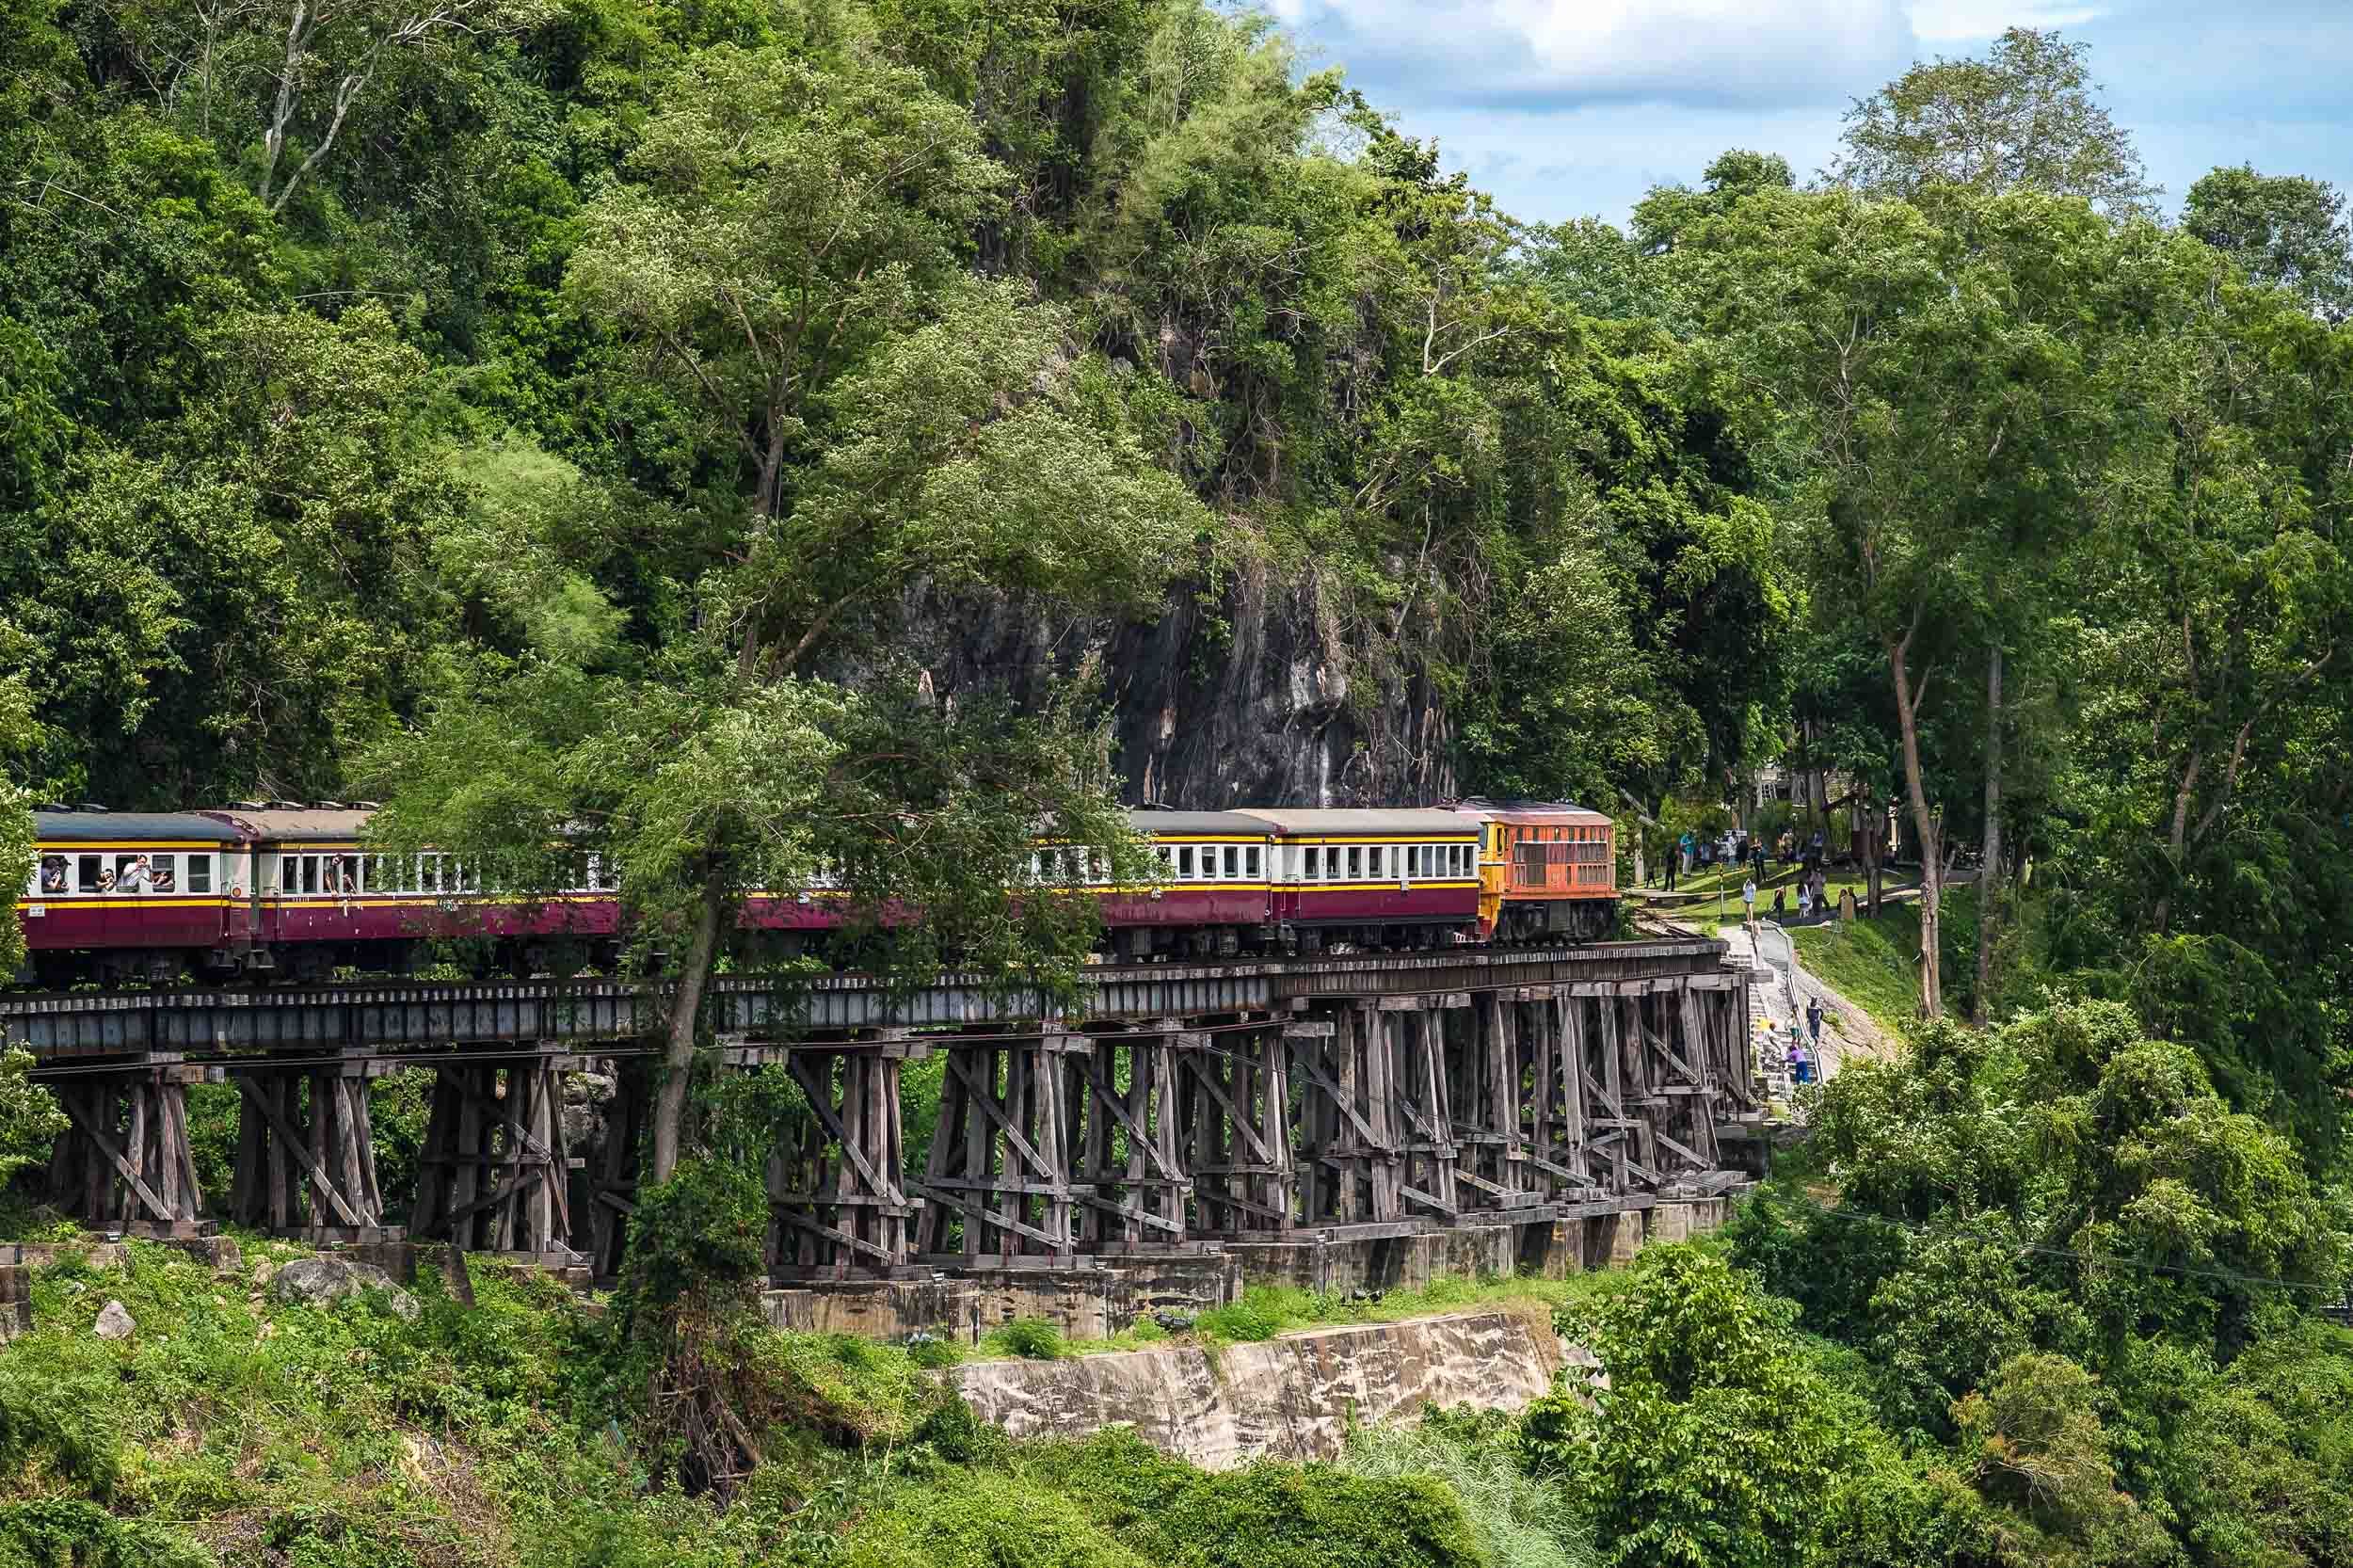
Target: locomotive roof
(296,827)
(1362,820)
(1156,823)
(1532,811)
(88,827)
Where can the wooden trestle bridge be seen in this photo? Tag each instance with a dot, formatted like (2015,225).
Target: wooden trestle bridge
(1176,1105)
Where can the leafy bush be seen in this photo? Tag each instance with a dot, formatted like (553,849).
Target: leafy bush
(1520,1521)
(1031,1339)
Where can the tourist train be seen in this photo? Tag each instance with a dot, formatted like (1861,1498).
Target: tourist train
(292,890)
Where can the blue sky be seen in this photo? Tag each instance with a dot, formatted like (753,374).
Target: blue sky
(1564,107)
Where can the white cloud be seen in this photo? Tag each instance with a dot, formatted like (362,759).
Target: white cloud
(1559,52)
(1944,22)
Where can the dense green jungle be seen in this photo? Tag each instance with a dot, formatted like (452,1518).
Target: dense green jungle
(747,436)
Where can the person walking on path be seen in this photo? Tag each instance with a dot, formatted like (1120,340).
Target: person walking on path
(1813,1022)
(1748,902)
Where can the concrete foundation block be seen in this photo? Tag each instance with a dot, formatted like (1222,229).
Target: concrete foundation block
(16,1301)
(1626,1231)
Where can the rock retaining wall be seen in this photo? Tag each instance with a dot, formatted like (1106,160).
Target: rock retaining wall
(1293,1396)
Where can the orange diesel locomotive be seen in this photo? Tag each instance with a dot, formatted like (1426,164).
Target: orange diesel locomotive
(1549,871)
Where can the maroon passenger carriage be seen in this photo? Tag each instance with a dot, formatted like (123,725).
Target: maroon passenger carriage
(292,892)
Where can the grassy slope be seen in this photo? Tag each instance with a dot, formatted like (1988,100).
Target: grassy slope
(1874,963)
(231,1428)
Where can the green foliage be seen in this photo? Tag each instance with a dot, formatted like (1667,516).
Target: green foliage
(29,1115)
(1713,1439)
(1031,1339)
(706,1228)
(2284,229)
(1520,1521)
(2027,115)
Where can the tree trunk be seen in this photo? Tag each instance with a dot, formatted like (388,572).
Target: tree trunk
(1874,846)
(1924,825)
(678,1058)
(1990,870)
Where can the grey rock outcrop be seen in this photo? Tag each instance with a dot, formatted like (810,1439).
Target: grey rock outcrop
(1293,1396)
(1259,695)
(113,1322)
(324,1281)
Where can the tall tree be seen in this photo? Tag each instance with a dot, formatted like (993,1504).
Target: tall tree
(2026,116)
(1918,385)
(786,257)
(2283,229)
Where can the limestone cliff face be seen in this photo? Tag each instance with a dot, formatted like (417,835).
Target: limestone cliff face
(1293,1396)
(1255,695)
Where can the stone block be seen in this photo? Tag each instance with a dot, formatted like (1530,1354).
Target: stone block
(1075,1301)
(1296,1264)
(1669,1223)
(1552,1250)
(16,1301)
(876,1309)
(1625,1231)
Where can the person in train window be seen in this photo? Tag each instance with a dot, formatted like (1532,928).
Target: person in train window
(53,874)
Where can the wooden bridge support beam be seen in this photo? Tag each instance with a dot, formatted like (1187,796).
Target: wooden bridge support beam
(1236,1127)
(1484,1081)
(306,1152)
(1420,1105)
(1351,1153)
(125,1163)
(997,1187)
(1126,1125)
(605,1196)
(837,1203)
(1552,1061)
(493,1176)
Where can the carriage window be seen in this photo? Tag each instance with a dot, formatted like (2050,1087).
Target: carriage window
(343,873)
(200,873)
(1309,870)
(1355,862)
(1166,856)
(53,874)
(310,866)
(1184,862)
(163,873)
(1250,862)
(89,874)
(428,873)
(1233,862)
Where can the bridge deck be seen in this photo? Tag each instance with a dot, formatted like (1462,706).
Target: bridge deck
(392,1016)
